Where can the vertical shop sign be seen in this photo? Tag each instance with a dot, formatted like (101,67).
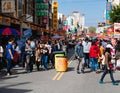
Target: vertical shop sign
(55,15)
(108,10)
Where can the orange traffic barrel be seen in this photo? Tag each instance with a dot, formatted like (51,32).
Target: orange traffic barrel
(61,63)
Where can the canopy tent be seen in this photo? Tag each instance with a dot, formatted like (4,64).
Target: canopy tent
(56,37)
(102,37)
(9,31)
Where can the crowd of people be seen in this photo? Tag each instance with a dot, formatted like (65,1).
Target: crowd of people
(98,55)
(32,52)
(95,54)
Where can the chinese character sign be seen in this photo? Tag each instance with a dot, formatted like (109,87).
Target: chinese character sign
(8,6)
(55,15)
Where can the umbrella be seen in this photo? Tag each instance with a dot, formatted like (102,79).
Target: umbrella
(9,31)
(56,37)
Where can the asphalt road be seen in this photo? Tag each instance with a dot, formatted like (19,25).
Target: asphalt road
(57,82)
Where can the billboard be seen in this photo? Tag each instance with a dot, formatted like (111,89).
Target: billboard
(110,31)
(8,6)
(116,30)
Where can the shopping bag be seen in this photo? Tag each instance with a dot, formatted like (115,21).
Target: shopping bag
(118,64)
(15,57)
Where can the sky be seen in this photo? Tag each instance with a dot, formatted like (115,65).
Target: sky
(93,9)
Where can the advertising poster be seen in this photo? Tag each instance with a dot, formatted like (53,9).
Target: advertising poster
(110,31)
(116,30)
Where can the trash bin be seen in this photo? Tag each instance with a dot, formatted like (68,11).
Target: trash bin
(58,53)
(61,63)
(61,53)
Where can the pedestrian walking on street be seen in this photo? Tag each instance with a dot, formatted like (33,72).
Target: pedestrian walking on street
(45,57)
(9,55)
(108,68)
(86,49)
(79,54)
(94,54)
(38,56)
(29,54)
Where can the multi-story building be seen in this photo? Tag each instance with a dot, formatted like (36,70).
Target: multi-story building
(78,22)
(82,21)
(35,12)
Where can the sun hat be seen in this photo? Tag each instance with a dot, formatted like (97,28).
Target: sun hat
(109,46)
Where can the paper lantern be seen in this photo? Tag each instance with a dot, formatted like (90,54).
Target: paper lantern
(7,20)
(28,24)
(20,22)
(14,21)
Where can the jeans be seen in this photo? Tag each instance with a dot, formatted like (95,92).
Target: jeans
(9,65)
(29,62)
(94,64)
(105,72)
(86,59)
(45,61)
(79,61)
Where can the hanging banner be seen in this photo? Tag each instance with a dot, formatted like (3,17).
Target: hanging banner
(116,30)
(8,6)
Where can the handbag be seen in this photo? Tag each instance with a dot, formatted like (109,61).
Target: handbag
(111,66)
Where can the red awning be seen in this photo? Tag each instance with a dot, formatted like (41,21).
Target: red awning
(102,36)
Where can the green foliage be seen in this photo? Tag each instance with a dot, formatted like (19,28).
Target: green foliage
(92,29)
(115,14)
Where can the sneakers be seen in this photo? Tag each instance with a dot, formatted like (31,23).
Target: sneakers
(97,71)
(82,70)
(115,83)
(8,74)
(78,72)
(101,82)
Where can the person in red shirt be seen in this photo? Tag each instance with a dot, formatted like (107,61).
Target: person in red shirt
(94,54)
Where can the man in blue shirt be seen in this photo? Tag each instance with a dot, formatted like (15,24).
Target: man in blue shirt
(9,55)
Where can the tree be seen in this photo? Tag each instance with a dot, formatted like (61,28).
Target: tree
(115,14)
(92,29)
